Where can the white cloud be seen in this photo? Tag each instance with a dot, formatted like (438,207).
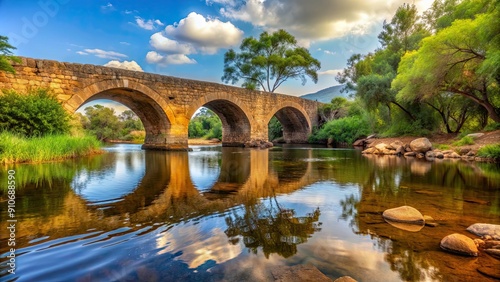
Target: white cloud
(330,72)
(108,7)
(192,35)
(81,53)
(323,20)
(328,52)
(153,57)
(124,43)
(127,65)
(149,24)
(104,54)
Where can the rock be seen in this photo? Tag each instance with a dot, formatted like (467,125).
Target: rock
(359,143)
(298,273)
(459,244)
(410,154)
(475,135)
(420,155)
(369,151)
(407,226)
(345,279)
(439,155)
(396,144)
(405,214)
(485,229)
(478,242)
(371,136)
(491,244)
(269,144)
(453,155)
(430,154)
(471,153)
(493,252)
(381,147)
(400,150)
(420,145)
(429,221)
(464,151)
(491,271)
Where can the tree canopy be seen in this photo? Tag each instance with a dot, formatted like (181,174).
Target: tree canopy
(267,62)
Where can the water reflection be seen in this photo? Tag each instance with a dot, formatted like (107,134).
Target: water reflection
(232,214)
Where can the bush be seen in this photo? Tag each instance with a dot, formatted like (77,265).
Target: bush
(489,151)
(36,113)
(344,130)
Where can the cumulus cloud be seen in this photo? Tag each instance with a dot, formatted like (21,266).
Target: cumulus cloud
(127,65)
(330,72)
(192,35)
(153,57)
(147,24)
(102,54)
(323,20)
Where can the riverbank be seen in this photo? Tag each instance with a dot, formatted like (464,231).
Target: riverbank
(471,146)
(16,149)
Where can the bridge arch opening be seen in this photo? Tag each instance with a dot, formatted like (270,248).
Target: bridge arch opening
(155,121)
(236,126)
(296,127)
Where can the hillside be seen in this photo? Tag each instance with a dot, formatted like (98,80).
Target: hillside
(327,94)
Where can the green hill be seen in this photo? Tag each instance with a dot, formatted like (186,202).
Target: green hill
(327,94)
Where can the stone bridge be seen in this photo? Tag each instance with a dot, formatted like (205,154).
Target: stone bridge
(166,104)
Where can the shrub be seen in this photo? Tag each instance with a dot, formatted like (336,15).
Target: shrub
(36,113)
(489,151)
(344,130)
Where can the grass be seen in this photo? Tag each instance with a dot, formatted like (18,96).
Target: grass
(442,146)
(466,140)
(17,149)
(489,151)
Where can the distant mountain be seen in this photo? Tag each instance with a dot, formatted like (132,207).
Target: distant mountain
(326,95)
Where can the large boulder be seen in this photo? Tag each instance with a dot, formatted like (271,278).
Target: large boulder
(404,214)
(420,145)
(485,229)
(345,279)
(459,244)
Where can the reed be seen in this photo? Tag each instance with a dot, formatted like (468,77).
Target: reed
(17,149)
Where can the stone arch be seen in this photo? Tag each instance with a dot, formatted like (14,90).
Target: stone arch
(294,119)
(149,106)
(235,116)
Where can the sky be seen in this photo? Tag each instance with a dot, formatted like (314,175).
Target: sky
(188,38)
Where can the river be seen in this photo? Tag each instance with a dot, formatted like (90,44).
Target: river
(234,214)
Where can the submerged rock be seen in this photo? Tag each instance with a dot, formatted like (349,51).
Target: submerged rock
(459,244)
(405,214)
(298,273)
(412,227)
(490,271)
(485,229)
(345,279)
(493,252)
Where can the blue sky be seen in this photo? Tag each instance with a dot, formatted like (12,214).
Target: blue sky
(188,38)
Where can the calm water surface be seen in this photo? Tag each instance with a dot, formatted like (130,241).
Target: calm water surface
(231,214)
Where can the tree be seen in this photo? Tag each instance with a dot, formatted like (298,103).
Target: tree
(36,113)
(462,59)
(102,122)
(6,57)
(269,61)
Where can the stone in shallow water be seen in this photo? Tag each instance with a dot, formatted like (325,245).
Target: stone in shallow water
(459,244)
(485,229)
(412,227)
(493,252)
(345,279)
(405,214)
(299,273)
(491,271)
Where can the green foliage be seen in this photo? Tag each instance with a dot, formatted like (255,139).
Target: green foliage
(103,123)
(344,130)
(466,140)
(489,151)
(36,113)
(269,61)
(493,126)
(16,148)
(6,57)
(275,129)
(206,124)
